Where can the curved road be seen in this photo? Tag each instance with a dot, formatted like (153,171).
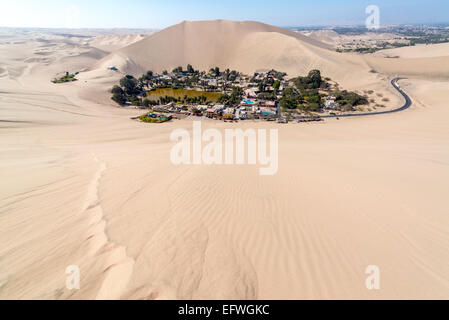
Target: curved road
(394,83)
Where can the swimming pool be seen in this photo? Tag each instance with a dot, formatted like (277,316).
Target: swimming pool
(249,102)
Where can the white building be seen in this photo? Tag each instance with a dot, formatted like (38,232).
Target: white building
(331,104)
(213,82)
(251,92)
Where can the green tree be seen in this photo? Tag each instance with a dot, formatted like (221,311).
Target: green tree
(135,101)
(291,99)
(146,103)
(129,83)
(315,78)
(117,90)
(149,75)
(236,96)
(312,81)
(177,70)
(119,98)
(227,74)
(312,106)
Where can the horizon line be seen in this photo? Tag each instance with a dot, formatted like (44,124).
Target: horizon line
(279,26)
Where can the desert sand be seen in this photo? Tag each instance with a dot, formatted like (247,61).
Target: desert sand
(82,184)
(418,51)
(347,41)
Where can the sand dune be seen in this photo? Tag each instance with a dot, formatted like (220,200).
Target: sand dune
(111,43)
(244,46)
(330,37)
(419,51)
(253,46)
(429,68)
(431,62)
(84,185)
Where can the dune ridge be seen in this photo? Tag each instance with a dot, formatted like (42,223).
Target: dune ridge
(251,46)
(244,46)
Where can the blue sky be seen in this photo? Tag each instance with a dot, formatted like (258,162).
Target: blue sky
(163,13)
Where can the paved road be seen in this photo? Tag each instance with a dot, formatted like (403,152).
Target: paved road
(394,83)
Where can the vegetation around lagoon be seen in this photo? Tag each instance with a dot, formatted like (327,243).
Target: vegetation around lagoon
(180,86)
(306,95)
(234,98)
(68,77)
(152,117)
(233,95)
(191,91)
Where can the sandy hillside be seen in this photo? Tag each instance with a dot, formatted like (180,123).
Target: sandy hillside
(419,51)
(112,43)
(253,46)
(430,62)
(418,68)
(84,185)
(352,41)
(330,37)
(244,46)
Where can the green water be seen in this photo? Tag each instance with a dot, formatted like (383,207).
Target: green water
(181,93)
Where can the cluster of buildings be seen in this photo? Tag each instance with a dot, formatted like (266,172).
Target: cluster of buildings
(247,110)
(252,106)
